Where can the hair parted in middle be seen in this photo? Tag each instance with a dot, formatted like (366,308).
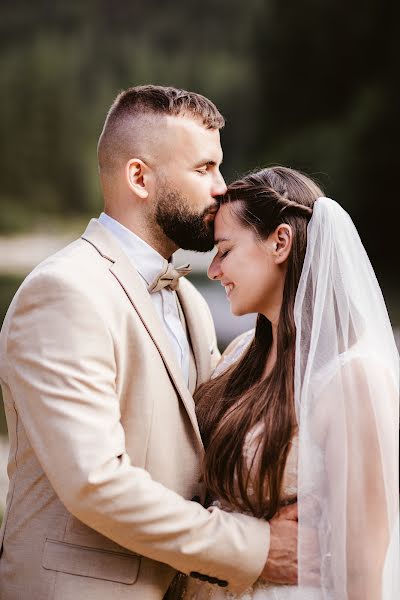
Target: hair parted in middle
(232,404)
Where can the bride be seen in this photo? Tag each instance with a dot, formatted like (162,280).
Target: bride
(305,408)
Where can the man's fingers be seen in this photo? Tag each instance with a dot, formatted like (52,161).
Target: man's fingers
(281,566)
(289,512)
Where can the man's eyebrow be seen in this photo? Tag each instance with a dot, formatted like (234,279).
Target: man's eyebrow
(208,162)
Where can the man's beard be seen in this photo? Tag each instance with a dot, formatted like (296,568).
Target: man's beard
(187,230)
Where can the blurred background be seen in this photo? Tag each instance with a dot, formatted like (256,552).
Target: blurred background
(308,83)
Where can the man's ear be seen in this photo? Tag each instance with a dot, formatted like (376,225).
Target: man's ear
(136,175)
(282,240)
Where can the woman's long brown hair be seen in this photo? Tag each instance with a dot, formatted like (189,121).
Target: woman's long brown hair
(230,405)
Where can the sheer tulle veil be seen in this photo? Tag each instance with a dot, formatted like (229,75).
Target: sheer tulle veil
(347,407)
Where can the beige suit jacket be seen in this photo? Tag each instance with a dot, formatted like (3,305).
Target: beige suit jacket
(105,447)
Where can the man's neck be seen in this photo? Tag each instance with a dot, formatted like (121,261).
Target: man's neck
(151,233)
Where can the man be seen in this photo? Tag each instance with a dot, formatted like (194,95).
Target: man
(99,356)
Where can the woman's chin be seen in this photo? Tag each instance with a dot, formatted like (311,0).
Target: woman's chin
(238,311)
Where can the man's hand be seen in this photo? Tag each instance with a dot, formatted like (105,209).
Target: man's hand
(282,562)
(281,566)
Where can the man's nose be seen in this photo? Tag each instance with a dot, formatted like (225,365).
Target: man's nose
(219,187)
(214,270)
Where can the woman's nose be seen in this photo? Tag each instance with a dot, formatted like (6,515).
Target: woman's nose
(214,270)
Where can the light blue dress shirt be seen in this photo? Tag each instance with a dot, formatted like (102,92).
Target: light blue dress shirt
(148,262)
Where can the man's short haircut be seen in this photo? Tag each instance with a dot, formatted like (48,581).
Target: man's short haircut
(150,100)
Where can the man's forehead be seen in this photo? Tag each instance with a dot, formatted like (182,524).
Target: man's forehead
(187,135)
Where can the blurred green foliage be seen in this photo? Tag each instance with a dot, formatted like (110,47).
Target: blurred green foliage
(8,286)
(308,84)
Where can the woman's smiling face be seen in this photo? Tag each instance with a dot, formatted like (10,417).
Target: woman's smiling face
(247,267)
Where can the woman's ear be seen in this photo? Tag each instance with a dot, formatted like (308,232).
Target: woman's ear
(282,239)
(136,175)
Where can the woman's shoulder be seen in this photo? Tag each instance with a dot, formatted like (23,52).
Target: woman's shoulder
(360,364)
(234,351)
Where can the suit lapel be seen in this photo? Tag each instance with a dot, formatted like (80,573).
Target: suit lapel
(132,284)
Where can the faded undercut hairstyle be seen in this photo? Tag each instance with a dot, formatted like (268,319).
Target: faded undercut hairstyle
(230,405)
(150,100)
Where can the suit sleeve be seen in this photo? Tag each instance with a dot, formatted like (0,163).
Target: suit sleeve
(62,376)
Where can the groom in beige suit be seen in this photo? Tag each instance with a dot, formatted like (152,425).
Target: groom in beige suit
(101,350)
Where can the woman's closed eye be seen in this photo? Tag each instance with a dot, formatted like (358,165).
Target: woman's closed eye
(223,254)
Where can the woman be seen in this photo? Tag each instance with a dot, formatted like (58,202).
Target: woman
(306,407)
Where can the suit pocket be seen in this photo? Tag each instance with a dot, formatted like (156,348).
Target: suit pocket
(90,562)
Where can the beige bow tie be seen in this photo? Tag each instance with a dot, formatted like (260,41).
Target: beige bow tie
(169,277)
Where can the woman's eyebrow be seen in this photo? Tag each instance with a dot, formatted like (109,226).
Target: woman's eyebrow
(219,240)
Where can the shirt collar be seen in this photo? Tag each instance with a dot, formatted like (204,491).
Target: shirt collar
(145,259)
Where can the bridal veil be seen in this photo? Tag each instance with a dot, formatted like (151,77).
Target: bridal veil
(347,407)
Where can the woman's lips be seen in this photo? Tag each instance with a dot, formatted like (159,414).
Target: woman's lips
(228,288)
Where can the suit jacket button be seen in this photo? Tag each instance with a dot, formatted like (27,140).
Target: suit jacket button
(222,583)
